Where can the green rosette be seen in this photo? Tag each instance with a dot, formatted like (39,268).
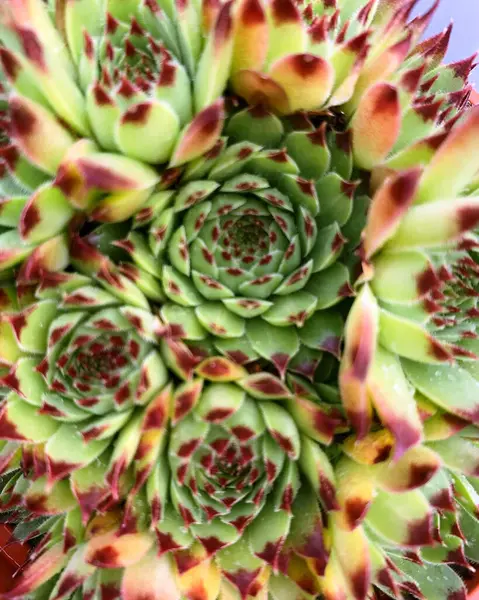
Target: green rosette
(238,301)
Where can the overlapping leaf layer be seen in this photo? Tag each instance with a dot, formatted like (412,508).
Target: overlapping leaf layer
(238,301)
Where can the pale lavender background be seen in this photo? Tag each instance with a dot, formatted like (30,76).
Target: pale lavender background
(465,34)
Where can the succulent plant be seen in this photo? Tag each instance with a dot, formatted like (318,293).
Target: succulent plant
(238,301)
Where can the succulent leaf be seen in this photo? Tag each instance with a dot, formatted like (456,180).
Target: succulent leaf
(238,300)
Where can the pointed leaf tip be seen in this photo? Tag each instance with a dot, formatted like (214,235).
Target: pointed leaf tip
(306,79)
(259,89)
(200,135)
(389,204)
(455,162)
(360,345)
(376,125)
(31,125)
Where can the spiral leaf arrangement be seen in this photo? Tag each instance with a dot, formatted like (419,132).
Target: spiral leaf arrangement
(238,301)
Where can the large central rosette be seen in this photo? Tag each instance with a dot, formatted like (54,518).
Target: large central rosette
(246,249)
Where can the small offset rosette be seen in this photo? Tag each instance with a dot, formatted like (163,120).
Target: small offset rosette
(81,365)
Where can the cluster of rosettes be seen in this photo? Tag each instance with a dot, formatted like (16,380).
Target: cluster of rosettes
(219,485)
(238,300)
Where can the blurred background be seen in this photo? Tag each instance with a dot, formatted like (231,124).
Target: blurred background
(465,34)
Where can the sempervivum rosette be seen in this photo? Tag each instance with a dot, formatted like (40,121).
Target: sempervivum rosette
(190,193)
(97,87)
(78,368)
(293,56)
(254,243)
(100,83)
(417,315)
(246,249)
(412,511)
